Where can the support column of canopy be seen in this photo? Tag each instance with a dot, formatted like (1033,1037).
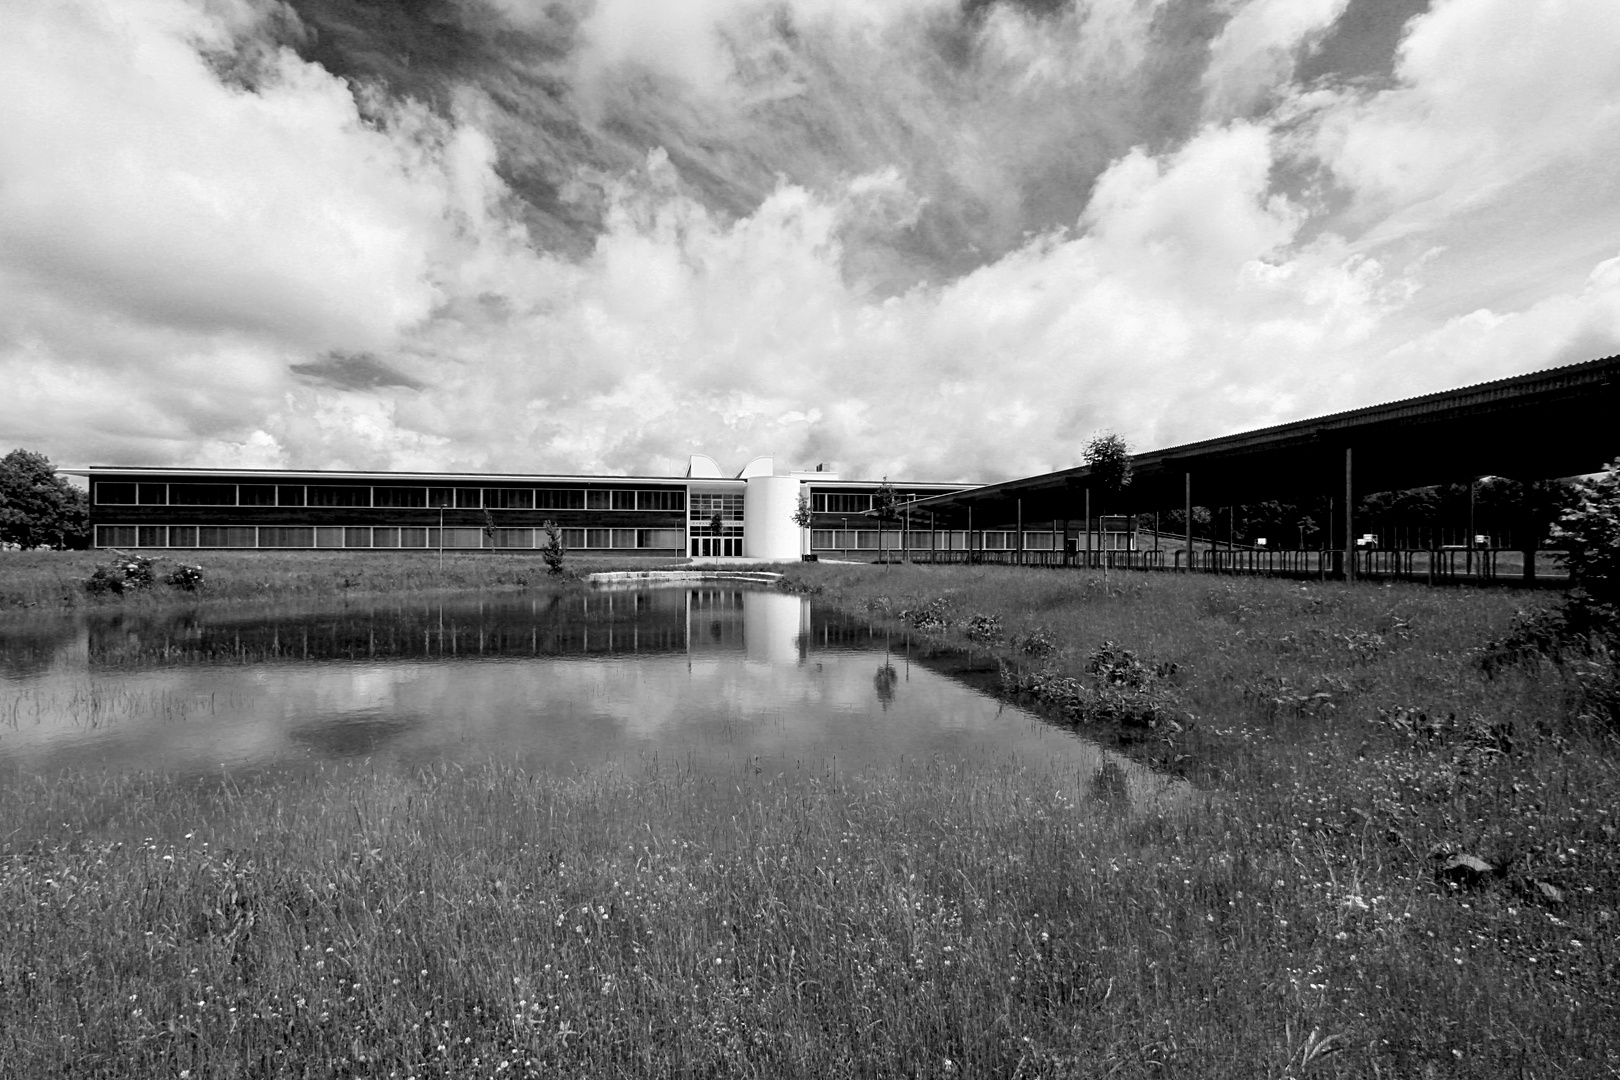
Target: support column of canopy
(1020,532)
(1473,488)
(1187,520)
(1349,517)
(1088,526)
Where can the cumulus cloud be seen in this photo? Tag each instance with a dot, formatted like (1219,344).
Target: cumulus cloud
(1255,52)
(215,250)
(1501,88)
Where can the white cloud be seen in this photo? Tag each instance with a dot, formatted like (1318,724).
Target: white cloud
(1255,51)
(170,246)
(174,243)
(1489,93)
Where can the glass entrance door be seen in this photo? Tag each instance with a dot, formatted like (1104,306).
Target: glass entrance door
(726,545)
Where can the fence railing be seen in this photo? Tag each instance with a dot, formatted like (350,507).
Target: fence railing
(1436,566)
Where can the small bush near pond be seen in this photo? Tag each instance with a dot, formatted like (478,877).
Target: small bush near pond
(185,577)
(125,573)
(983,628)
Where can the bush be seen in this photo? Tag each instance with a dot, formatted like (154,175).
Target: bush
(1038,642)
(1585,632)
(933,617)
(982,628)
(124,573)
(1120,689)
(185,577)
(552,551)
(104,580)
(1589,534)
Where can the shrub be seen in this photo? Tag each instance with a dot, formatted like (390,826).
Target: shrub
(104,580)
(1120,690)
(124,573)
(1589,534)
(1038,642)
(186,577)
(552,551)
(932,617)
(983,628)
(1584,635)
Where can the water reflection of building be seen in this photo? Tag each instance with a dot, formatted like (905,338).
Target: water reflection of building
(767,626)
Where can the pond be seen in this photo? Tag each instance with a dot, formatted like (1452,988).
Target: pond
(719,677)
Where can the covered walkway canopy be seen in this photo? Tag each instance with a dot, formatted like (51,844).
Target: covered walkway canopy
(1560,422)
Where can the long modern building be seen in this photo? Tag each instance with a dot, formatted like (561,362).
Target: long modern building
(706,513)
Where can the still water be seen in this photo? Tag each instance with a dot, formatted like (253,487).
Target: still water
(712,678)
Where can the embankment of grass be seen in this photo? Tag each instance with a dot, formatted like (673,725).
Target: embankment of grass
(1298,918)
(55,579)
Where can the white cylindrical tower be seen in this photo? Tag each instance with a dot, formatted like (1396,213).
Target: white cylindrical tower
(768,528)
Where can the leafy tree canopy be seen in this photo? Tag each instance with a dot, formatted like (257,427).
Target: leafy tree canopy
(1109,456)
(803,517)
(886,502)
(1589,533)
(39,508)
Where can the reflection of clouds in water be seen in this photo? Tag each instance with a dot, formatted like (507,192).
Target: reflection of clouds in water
(352,689)
(772,691)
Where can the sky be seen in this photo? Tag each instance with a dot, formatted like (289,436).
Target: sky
(923,239)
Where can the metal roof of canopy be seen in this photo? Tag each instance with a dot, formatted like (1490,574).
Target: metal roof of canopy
(1559,422)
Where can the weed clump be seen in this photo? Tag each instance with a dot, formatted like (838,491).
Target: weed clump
(1038,642)
(931,617)
(1119,688)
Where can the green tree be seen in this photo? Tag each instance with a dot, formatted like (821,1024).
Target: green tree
(886,508)
(1109,457)
(39,508)
(552,551)
(1589,535)
(803,516)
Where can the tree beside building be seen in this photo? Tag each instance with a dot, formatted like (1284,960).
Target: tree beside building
(37,507)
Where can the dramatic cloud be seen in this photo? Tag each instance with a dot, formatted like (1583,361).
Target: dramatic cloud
(912,239)
(1255,52)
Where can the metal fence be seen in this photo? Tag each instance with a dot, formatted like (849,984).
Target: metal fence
(1432,566)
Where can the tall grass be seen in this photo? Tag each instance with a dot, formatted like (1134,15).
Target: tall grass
(55,579)
(1298,919)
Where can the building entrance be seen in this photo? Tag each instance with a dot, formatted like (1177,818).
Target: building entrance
(727,545)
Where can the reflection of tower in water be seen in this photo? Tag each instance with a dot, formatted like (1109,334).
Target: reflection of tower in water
(775,623)
(767,626)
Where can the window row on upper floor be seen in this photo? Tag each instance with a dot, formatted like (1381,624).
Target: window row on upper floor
(116,493)
(853,502)
(706,507)
(366,536)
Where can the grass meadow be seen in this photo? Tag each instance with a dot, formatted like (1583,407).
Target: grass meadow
(1303,915)
(49,580)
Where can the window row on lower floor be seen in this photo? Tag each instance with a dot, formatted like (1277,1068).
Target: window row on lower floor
(924,540)
(368,536)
